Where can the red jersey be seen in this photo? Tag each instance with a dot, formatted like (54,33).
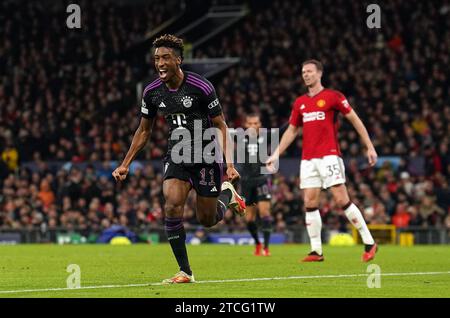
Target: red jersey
(318,116)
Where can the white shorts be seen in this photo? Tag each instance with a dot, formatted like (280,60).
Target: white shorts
(322,172)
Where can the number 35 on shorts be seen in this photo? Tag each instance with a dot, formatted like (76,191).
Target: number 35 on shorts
(322,172)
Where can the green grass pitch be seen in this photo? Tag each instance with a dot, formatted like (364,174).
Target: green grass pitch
(222,271)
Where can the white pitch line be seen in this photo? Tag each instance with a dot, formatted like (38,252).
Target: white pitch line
(220,281)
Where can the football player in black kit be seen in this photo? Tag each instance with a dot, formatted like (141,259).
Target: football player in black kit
(255,186)
(190,105)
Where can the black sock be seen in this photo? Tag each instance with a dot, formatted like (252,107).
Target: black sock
(367,247)
(222,204)
(253,229)
(266,229)
(177,239)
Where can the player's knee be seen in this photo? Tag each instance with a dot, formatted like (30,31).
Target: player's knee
(311,202)
(311,198)
(343,202)
(173,210)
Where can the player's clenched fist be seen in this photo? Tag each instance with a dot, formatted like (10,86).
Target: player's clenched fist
(120,173)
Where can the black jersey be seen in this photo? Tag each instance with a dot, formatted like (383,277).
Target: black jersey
(190,106)
(251,169)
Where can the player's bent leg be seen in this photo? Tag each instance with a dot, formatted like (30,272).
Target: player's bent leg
(340,194)
(356,218)
(237,203)
(264,213)
(313,222)
(210,210)
(175,194)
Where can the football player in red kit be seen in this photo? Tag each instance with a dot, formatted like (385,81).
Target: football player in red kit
(322,167)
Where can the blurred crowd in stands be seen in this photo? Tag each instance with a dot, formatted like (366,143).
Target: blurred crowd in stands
(70,96)
(89,199)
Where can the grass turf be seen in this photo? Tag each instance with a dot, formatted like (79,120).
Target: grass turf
(25,267)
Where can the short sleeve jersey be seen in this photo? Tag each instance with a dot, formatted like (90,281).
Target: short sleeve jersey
(250,170)
(318,116)
(189,108)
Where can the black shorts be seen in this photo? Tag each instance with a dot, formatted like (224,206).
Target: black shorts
(206,179)
(254,192)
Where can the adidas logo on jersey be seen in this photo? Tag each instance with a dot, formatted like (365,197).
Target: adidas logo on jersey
(162,105)
(303,106)
(214,189)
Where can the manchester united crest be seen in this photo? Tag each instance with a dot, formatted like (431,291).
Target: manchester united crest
(321,103)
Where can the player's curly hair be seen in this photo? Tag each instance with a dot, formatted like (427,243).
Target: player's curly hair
(170,41)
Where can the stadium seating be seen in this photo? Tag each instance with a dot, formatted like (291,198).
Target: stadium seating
(69,96)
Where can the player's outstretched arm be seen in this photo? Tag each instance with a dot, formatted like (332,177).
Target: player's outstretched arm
(140,138)
(288,137)
(362,131)
(226,144)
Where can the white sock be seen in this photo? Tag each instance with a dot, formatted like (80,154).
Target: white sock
(314,227)
(356,219)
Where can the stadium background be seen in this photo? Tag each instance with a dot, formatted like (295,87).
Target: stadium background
(69,107)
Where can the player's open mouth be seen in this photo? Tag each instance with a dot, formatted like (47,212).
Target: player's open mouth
(162,73)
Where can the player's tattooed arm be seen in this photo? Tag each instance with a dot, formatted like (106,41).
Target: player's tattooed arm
(362,131)
(140,139)
(226,144)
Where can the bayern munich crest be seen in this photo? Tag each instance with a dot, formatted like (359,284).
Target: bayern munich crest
(187,101)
